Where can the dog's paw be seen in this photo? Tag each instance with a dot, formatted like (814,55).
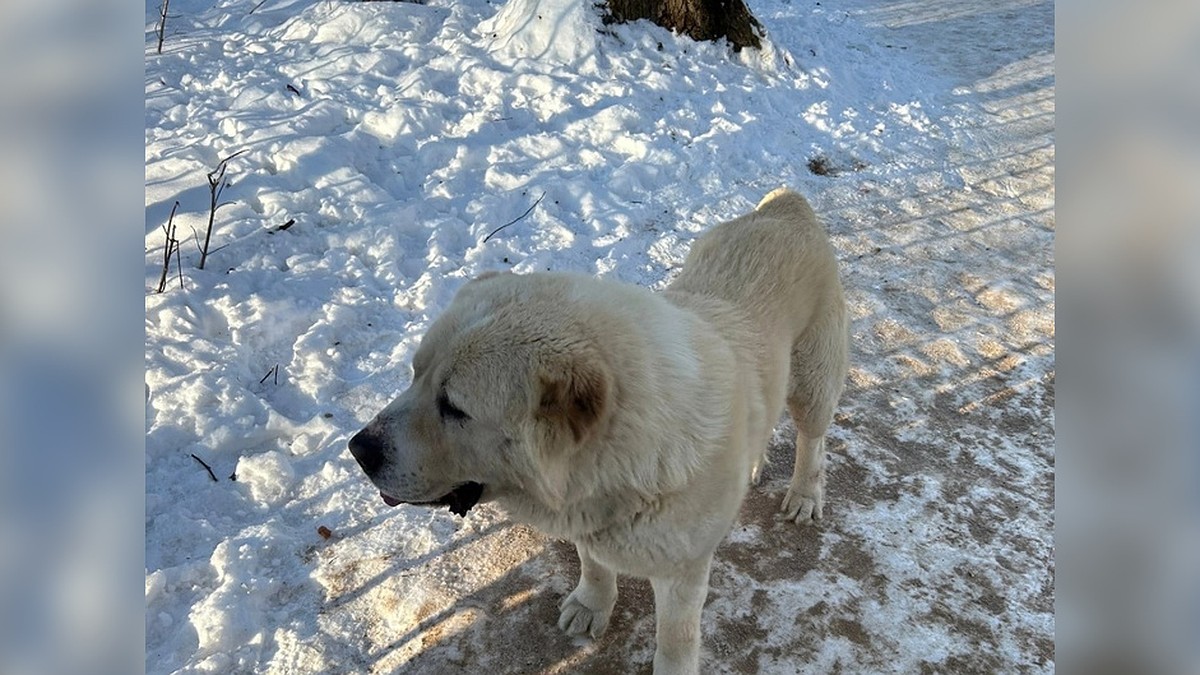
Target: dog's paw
(578,619)
(803,504)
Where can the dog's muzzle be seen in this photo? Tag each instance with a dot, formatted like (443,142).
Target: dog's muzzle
(368,449)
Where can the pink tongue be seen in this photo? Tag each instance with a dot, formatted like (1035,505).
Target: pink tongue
(389,501)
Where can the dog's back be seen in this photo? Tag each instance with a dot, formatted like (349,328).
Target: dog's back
(774,263)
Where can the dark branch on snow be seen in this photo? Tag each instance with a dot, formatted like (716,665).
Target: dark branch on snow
(527,212)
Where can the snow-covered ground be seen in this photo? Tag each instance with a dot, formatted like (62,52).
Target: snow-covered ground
(396,137)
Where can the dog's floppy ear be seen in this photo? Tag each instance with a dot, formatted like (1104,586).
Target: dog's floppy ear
(572,405)
(575,396)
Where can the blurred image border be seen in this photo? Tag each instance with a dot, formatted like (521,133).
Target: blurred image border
(71,317)
(1128,318)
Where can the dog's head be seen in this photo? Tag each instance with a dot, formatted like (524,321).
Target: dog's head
(509,385)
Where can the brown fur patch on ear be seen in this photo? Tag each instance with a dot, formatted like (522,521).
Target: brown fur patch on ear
(577,397)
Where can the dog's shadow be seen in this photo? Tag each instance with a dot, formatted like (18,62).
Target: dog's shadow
(489,603)
(509,625)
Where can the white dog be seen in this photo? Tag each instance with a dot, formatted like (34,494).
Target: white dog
(628,422)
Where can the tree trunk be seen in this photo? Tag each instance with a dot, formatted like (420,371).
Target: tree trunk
(698,19)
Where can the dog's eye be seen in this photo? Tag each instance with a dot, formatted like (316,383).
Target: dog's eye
(449,411)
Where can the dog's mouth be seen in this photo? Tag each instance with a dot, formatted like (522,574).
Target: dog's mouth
(460,499)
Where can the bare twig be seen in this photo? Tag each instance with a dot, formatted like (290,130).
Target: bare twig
(216,185)
(162,23)
(172,244)
(274,371)
(196,241)
(206,466)
(256,7)
(527,212)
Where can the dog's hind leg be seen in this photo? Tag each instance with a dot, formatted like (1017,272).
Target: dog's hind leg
(805,497)
(587,609)
(818,373)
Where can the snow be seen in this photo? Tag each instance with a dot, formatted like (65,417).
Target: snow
(398,136)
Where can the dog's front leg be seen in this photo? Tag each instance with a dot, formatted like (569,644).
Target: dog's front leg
(678,601)
(587,609)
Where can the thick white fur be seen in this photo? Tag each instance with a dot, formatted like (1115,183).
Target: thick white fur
(629,422)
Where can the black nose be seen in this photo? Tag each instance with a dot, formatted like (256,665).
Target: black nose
(367,447)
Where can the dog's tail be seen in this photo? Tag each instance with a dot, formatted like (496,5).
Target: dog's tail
(783,198)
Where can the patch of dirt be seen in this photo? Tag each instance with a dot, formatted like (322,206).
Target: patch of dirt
(821,165)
